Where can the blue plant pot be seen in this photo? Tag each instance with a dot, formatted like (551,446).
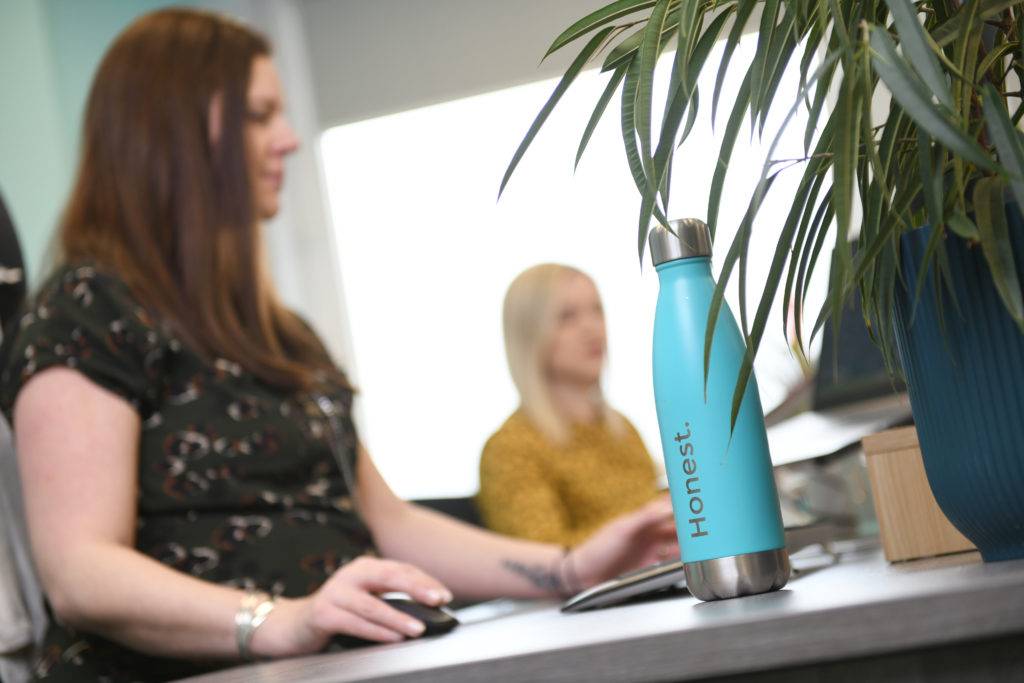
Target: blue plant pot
(966,387)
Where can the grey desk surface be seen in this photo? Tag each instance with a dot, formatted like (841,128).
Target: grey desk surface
(857,607)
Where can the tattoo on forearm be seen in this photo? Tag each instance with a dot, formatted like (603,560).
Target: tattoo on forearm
(537,575)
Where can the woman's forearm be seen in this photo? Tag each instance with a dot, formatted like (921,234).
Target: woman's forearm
(472,562)
(130,598)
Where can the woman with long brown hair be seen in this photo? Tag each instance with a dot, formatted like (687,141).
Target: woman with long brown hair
(195,491)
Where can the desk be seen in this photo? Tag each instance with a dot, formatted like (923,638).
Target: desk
(859,612)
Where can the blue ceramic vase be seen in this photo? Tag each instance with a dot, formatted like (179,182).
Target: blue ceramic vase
(966,386)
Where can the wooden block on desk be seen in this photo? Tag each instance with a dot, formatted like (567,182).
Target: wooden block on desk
(909,520)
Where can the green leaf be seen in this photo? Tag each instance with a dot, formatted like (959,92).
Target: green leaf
(594,20)
(662,162)
(725,152)
(915,99)
(630,46)
(845,160)
(931,182)
(879,192)
(643,183)
(916,49)
(602,104)
(810,50)
(650,48)
(718,296)
(808,258)
(838,288)
(691,115)
(1007,139)
(765,37)
(570,75)
(624,52)
(967,60)
(994,57)
(777,58)
(867,255)
(742,14)
(689,27)
(662,166)
(680,100)
(990,212)
(820,92)
(818,167)
(781,64)
(934,252)
(947,32)
(806,203)
(695,63)
(962,225)
(840,32)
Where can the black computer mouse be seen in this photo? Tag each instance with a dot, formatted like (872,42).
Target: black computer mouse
(437,620)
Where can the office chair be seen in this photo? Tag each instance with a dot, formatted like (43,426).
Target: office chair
(22,612)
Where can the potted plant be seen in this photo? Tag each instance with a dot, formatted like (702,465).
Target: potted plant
(933,250)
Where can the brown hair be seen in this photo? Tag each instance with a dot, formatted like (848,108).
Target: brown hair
(171,211)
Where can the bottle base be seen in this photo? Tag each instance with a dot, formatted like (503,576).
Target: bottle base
(738,575)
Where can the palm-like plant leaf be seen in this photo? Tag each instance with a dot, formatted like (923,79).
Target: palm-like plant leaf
(560,89)
(918,51)
(743,11)
(629,47)
(602,105)
(732,129)
(650,49)
(596,20)
(946,33)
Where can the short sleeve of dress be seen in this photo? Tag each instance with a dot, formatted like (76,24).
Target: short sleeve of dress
(89,322)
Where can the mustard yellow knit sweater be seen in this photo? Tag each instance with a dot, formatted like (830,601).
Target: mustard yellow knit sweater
(561,494)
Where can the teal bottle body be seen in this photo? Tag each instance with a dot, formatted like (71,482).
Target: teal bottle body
(723,491)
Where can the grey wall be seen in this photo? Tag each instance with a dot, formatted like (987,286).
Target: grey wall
(375,57)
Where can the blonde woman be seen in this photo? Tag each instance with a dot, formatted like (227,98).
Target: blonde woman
(564,462)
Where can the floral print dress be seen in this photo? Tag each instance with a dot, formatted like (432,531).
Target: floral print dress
(237,483)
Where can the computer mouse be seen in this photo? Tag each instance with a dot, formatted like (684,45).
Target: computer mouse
(437,620)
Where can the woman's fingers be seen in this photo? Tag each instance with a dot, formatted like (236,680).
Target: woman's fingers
(659,509)
(331,618)
(383,576)
(377,612)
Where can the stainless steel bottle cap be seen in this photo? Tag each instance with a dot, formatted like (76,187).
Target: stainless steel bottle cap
(692,238)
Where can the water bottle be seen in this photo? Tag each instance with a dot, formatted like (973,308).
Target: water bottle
(723,492)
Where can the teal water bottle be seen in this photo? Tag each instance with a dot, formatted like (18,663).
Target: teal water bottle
(723,492)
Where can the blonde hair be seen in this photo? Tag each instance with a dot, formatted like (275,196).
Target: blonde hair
(529,317)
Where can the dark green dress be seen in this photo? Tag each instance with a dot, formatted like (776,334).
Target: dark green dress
(237,482)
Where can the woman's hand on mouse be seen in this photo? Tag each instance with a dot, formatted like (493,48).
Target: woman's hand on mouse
(347,604)
(630,541)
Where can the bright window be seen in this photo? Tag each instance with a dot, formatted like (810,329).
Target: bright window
(426,254)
